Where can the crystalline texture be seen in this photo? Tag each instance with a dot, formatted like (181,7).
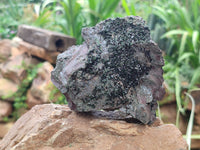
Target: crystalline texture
(118,69)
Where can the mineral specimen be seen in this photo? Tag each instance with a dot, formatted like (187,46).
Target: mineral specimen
(117,69)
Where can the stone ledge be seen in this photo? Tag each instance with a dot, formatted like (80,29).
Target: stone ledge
(51,41)
(56,127)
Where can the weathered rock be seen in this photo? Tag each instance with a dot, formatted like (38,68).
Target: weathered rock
(51,41)
(40,90)
(4,128)
(118,68)
(5,49)
(51,126)
(15,68)
(31,100)
(5,109)
(24,47)
(7,89)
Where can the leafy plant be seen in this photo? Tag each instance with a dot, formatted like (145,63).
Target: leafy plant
(14,13)
(71,16)
(181,20)
(101,9)
(10,15)
(183,28)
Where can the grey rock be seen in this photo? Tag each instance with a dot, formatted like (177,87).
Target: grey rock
(117,71)
(51,41)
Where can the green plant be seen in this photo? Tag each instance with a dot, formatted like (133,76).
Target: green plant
(181,19)
(183,27)
(10,15)
(14,13)
(101,9)
(68,16)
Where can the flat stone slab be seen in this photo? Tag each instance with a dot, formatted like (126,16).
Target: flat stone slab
(117,69)
(51,41)
(56,127)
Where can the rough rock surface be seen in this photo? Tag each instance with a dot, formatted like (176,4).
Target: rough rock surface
(52,126)
(4,128)
(117,69)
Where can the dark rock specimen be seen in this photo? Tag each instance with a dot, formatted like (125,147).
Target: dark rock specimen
(117,70)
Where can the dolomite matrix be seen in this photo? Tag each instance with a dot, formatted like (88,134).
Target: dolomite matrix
(117,71)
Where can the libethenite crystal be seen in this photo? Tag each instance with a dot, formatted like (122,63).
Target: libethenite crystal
(117,71)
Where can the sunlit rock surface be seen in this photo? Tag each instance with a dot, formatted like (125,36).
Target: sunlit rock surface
(116,72)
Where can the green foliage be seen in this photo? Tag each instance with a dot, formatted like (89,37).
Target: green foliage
(129,11)
(183,26)
(137,8)
(182,23)
(6,119)
(68,16)
(181,20)
(72,23)
(71,17)
(101,9)
(14,13)
(10,15)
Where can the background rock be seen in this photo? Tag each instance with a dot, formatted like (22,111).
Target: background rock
(5,49)
(40,90)
(5,109)
(24,47)
(4,128)
(7,89)
(169,113)
(57,127)
(15,68)
(51,41)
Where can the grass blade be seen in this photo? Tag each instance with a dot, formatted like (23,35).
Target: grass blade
(196,137)
(173,32)
(183,43)
(125,6)
(184,56)
(160,12)
(190,123)
(195,39)
(178,91)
